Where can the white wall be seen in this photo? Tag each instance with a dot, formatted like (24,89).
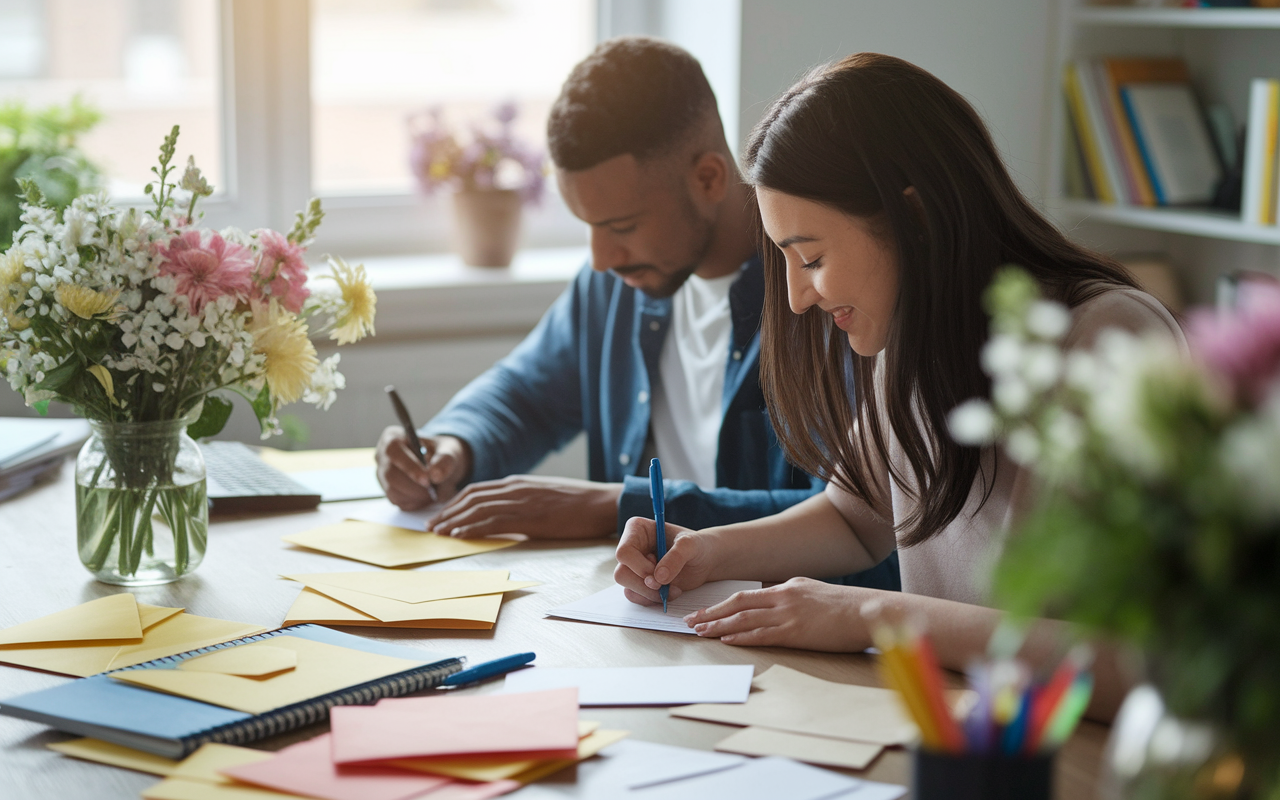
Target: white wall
(994,52)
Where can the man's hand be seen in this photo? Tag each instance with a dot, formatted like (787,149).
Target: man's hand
(407,482)
(803,613)
(686,565)
(541,508)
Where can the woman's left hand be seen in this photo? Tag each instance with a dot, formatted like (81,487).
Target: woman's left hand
(803,613)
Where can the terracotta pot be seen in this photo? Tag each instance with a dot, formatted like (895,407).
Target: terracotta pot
(486,225)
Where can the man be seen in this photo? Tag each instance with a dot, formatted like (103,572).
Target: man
(654,348)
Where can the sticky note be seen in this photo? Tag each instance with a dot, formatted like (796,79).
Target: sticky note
(248,661)
(464,613)
(115,755)
(184,789)
(322,668)
(389,546)
(536,724)
(306,769)
(524,770)
(415,587)
(107,618)
(207,763)
(793,701)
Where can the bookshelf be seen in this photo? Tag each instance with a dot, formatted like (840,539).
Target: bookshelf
(1224,49)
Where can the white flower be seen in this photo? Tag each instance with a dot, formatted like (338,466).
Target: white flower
(1001,355)
(973,422)
(326,381)
(1048,320)
(1042,366)
(1011,395)
(1023,446)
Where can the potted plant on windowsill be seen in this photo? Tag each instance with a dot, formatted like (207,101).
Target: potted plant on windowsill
(493,174)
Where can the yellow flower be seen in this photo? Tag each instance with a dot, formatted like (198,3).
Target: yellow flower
(12,289)
(84,302)
(290,357)
(355,320)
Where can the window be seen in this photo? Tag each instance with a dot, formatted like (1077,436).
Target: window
(145,64)
(376,62)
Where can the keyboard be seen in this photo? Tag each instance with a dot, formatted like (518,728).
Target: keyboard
(239,482)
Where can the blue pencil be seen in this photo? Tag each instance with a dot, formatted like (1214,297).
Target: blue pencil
(658,494)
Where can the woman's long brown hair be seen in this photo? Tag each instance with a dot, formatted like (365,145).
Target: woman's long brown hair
(855,136)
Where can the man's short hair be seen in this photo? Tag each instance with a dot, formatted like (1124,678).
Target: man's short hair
(633,94)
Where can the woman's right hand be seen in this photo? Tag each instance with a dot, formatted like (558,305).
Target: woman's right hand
(686,565)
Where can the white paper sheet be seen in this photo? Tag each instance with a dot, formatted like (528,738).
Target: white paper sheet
(384,511)
(351,483)
(642,686)
(610,607)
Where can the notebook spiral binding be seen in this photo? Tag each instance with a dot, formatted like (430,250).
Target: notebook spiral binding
(307,712)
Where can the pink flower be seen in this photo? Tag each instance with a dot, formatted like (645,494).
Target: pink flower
(207,270)
(1244,345)
(281,273)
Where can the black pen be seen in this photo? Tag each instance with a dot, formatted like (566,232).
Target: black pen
(407,422)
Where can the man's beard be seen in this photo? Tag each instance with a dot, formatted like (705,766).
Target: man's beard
(704,234)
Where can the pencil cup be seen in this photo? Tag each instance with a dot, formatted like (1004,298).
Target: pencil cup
(981,776)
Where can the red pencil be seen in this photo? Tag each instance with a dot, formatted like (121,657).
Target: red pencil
(931,679)
(1047,701)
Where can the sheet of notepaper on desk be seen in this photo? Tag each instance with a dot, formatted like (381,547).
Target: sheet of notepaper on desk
(610,607)
(388,545)
(464,600)
(111,632)
(641,686)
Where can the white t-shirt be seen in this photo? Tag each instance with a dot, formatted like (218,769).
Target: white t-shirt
(687,399)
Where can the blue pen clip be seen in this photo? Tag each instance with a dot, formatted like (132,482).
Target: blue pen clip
(488,669)
(658,494)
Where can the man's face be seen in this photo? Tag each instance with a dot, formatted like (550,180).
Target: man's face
(645,226)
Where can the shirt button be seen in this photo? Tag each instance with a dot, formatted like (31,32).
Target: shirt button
(737,355)
(624,459)
(655,325)
(643,397)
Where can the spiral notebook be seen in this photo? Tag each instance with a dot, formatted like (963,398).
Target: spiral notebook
(173,726)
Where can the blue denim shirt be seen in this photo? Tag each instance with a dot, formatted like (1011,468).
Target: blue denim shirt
(590,364)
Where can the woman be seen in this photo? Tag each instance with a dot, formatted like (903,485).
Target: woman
(886,211)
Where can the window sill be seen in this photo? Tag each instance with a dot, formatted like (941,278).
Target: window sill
(438,297)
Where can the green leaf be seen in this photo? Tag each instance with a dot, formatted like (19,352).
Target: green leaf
(41,407)
(262,407)
(60,375)
(213,417)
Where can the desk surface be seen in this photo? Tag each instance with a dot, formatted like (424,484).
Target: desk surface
(40,574)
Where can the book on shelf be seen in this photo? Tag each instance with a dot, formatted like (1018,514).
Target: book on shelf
(1258,201)
(1142,137)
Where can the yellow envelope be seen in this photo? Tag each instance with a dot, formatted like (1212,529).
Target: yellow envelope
(178,635)
(525,770)
(415,587)
(115,755)
(801,747)
(207,763)
(183,789)
(111,617)
(389,546)
(322,668)
(462,613)
(246,661)
(83,659)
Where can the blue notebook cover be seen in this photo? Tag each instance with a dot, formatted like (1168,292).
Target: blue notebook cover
(173,726)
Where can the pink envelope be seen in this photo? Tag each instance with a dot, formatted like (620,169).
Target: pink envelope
(537,724)
(305,769)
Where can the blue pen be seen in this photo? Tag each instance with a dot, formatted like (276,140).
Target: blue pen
(488,669)
(659,497)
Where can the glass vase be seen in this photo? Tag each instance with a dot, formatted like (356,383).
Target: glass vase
(142,516)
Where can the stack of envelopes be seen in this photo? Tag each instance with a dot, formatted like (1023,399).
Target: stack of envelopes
(395,599)
(470,748)
(389,545)
(795,715)
(109,633)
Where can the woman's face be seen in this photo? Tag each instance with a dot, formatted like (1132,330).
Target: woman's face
(836,263)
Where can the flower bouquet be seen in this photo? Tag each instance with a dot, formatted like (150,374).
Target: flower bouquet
(491,174)
(1159,519)
(137,320)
